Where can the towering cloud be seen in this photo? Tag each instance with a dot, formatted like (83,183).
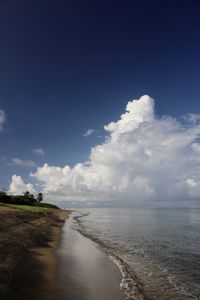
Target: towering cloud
(143,158)
(18,187)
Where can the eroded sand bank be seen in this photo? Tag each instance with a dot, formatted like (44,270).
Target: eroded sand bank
(26,271)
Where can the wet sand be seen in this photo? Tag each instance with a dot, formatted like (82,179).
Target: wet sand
(38,262)
(47,258)
(85,272)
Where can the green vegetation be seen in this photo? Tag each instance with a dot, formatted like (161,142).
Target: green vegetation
(28,208)
(27,200)
(39,197)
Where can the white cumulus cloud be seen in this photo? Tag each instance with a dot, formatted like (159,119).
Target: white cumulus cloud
(143,158)
(18,187)
(2,118)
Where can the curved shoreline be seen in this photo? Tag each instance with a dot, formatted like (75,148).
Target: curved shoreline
(34,265)
(130,283)
(86,271)
(142,278)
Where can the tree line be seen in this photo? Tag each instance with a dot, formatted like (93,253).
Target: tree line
(26,199)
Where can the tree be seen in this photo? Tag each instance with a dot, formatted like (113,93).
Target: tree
(4,197)
(39,197)
(29,197)
(26,194)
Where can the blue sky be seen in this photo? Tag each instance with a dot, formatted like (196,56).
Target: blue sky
(70,66)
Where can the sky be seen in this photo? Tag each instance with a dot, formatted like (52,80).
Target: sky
(68,70)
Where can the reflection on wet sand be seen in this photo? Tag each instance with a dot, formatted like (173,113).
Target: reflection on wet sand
(85,271)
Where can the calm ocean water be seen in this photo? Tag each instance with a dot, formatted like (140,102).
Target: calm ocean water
(156,250)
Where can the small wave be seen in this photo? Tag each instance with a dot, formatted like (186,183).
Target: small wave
(131,285)
(81,215)
(181,290)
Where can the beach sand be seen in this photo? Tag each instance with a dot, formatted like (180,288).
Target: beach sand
(38,262)
(85,272)
(28,264)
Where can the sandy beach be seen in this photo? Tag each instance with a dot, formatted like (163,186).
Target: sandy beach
(40,259)
(86,272)
(28,262)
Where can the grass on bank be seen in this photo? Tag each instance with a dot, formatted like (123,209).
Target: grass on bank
(26,202)
(28,208)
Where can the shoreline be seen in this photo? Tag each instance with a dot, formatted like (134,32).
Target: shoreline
(37,269)
(130,284)
(87,270)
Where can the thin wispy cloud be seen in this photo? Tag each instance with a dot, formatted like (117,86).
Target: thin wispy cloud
(38,152)
(21,162)
(2,119)
(89,132)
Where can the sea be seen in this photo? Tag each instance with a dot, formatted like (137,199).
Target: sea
(157,250)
